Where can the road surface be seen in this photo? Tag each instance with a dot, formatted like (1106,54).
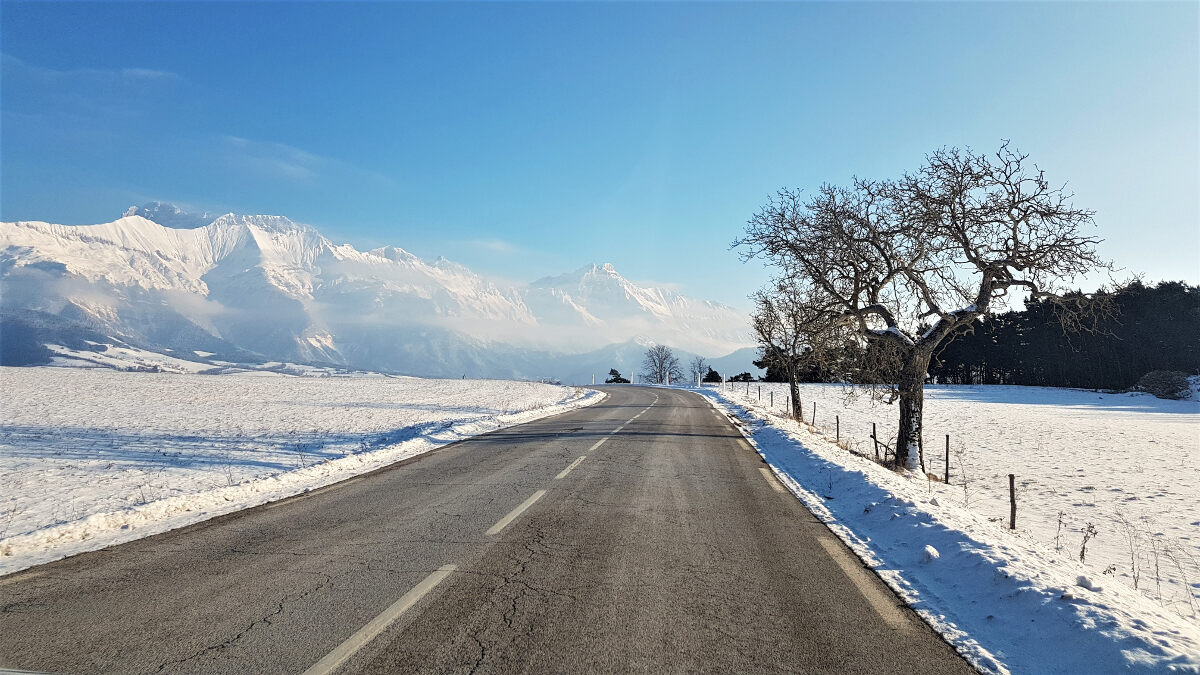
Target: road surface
(638,534)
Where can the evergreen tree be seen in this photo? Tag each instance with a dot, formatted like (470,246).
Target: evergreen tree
(614,377)
(1150,328)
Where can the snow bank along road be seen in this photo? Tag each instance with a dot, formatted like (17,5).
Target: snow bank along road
(640,533)
(1127,463)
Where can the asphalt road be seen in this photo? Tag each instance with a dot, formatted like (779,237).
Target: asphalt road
(665,548)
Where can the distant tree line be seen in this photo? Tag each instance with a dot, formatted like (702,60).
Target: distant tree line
(1150,328)
(1146,328)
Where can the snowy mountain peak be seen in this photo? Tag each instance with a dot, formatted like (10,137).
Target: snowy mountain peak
(275,224)
(445,264)
(162,277)
(395,254)
(598,269)
(170,215)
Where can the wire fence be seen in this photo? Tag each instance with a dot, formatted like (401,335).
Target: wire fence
(1063,473)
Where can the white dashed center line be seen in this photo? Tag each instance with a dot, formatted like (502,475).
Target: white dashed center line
(564,472)
(512,515)
(344,651)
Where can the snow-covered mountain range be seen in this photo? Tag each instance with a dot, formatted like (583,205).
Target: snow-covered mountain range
(245,287)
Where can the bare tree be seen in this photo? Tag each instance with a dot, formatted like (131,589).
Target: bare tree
(661,366)
(900,266)
(784,327)
(698,367)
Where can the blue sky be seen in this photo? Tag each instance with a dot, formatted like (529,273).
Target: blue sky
(529,139)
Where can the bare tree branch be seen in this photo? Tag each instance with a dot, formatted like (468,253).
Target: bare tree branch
(905,264)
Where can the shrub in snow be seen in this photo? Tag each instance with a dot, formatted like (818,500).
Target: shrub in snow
(1169,384)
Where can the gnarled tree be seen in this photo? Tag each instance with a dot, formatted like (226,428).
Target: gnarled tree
(902,265)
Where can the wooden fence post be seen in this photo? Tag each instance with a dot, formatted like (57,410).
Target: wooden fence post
(875,441)
(837,425)
(1012,502)
(814,413)
(947,459)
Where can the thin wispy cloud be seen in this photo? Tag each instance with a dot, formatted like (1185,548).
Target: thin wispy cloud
(277,160)
(280,161)
(85,93)
(15,67)
(662,285)
(148,74)
(495,246)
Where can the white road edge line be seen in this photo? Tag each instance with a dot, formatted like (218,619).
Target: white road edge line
(512,515)
(334,659)
(312,493)
(564,472)
(287,500)
(883,602)
(771,479)
(17,577)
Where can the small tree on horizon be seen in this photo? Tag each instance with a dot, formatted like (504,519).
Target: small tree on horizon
(712,376)
(661,366)
(698,366)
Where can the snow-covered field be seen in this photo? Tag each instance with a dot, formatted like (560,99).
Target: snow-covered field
(1018,601)
(123,357)
(90,457)
(1129,464)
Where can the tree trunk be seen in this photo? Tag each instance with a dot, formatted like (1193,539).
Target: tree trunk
(794,388)
(912,400)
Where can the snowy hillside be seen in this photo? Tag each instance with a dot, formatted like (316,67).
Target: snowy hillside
(269,288)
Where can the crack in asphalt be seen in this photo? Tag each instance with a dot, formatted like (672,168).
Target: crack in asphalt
(511,592)
(261,621)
